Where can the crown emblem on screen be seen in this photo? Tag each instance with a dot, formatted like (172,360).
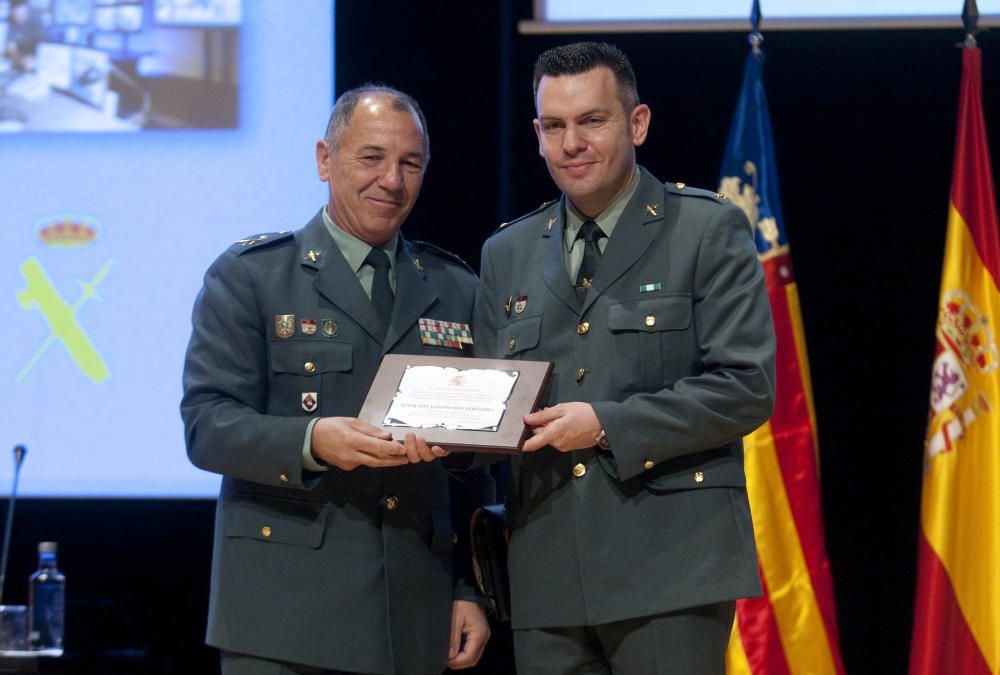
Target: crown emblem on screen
(967,332)
(68,231)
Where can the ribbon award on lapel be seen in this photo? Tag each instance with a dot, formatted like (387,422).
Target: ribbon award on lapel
(444,333)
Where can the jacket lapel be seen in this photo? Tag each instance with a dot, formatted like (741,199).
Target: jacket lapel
(414,294)
(556,277)
(631,236)
(335,280)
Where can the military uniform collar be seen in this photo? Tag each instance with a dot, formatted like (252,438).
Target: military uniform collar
(606,220)
(353,249)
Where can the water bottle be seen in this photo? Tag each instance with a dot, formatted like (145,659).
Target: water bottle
(46,600)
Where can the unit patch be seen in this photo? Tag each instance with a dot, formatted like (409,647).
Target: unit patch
(309,402)
(284,325)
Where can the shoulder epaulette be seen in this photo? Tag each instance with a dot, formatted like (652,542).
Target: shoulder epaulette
(241,246)
(541,208)
(688,191)
(444,253)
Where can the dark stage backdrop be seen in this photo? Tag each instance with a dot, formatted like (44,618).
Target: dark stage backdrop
(864,127)
(864,124)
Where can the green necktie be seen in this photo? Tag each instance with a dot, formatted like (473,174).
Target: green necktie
(591,233)
(382,296)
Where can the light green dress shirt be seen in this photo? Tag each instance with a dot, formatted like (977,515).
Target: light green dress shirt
(606,220)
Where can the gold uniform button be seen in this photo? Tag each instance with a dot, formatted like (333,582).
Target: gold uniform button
(265,531)
(310,367)
(392,503)
(283,478)
(681,186)
(698,476)
(650,320)
(580,374)
(583,328)
(579,470)
(648,464)
(511,344)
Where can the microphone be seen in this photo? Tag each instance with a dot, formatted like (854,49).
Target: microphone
(19,452)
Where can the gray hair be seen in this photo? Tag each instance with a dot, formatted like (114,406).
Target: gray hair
(344,107)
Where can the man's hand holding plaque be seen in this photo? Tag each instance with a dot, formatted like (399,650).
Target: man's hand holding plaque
(459,404)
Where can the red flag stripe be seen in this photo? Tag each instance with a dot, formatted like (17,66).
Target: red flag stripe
(972,178)
(942,643)
(760,635)
(796,455)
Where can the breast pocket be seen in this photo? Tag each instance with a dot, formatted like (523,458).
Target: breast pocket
(650,337)
(520,340)
(519,337)
(306,367)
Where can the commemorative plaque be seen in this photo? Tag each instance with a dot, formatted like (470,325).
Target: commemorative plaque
(470,405)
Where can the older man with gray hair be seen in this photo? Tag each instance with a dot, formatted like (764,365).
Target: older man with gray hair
(334,544)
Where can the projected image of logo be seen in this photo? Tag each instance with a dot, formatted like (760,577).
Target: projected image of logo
(40,295)
(119,65)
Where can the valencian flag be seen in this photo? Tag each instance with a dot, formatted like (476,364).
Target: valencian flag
(956,624)
(793,628)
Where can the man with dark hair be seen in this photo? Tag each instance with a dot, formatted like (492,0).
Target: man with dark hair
(333,544)
(580,57)
(630,535)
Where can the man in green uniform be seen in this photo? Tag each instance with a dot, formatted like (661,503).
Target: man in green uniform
(630,536)
(333,544)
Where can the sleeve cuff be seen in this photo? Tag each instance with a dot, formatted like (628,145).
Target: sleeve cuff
(309,462)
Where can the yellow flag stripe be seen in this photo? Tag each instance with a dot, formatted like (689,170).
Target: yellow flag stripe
(783,566)
(960,506)
(736,655)
(802,354)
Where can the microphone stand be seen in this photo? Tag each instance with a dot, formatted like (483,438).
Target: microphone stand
(19,452)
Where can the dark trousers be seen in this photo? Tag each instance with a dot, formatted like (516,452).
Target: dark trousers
(688,642)
(243,664)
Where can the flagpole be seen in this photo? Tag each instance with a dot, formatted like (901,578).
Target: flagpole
(756,37)
(970,19)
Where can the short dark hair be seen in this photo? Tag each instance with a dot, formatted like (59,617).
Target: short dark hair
(344,107)
(582,57)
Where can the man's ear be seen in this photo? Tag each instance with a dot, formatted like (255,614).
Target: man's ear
(323,160)
(640,118)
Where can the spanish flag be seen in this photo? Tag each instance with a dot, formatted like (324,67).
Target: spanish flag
(956,623)
(793,628)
